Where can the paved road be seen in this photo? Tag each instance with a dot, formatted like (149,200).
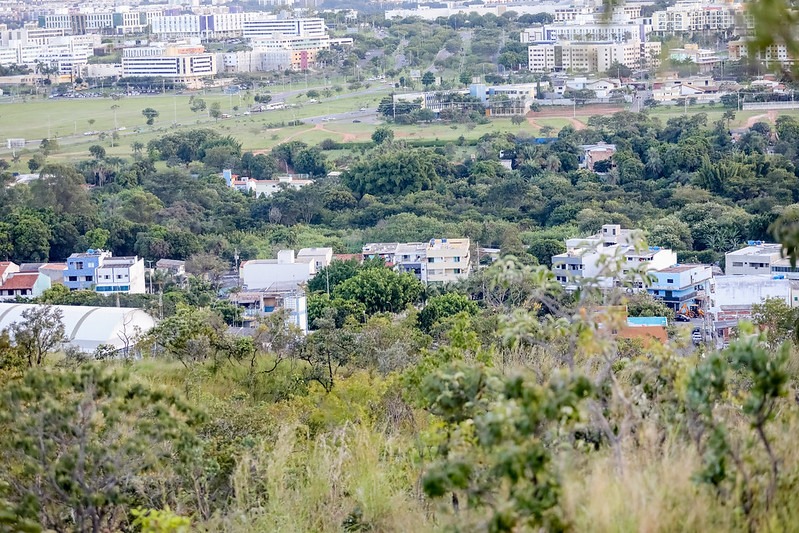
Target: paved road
(369,116)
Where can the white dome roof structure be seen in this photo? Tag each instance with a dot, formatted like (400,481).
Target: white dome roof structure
(86,327)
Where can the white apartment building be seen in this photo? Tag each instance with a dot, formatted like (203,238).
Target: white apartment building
(66,55)
(448,260)
(585,57)
(594,31)
(588,257)
(206,26)
(30,36)
(180,63)
(435,261)
(776,53)
(120,275)
(170,26)
(690,16)
(755,258)
(119,22)
(277,28)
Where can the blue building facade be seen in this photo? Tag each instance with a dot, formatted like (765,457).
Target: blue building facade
(81,272)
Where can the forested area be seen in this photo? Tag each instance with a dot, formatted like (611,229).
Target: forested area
(685,182)
(500,403)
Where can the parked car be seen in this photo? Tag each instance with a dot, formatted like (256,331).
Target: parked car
(682,318)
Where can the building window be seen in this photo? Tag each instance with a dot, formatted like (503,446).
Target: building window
(89,278)
(119,276)
(670,280)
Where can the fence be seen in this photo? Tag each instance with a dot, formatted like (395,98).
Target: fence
(770,105)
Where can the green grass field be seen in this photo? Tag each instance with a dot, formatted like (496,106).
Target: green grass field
(70,119)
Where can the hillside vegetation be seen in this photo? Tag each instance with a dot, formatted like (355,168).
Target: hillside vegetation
(500,403)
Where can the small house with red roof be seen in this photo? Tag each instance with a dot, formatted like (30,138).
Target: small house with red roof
(24,284)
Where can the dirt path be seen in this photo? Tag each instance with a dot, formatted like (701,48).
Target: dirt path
(578,125)
(771,116)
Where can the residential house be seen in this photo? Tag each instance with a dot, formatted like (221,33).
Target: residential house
(54,271)
(684,287)
(602,87)
(647,328)
(735,295)
(261,303)
(81,271)
(380,250)
(121,275)
(265,188)
(285,271)
(705,58)
(24,284)
(614,319)
(7,268)
(593,153)
(412,257)
(320,257)
(172,266)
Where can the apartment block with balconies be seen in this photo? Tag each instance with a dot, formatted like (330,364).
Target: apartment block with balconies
(448,260)
(120,275)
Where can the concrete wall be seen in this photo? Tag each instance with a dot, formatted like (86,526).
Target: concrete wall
(256,275)
(749,290)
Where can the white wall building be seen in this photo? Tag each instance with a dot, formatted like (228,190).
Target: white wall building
(277,28)
(582,56)
(756,258)
(264,187)
(180,63)
(434,261)
(266,274)
(120,275)
(589,257)
(690,16)
(320,257)
(448,260)
(594,31)
(743,291)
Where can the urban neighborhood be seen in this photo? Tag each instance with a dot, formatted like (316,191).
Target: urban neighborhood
(313,265)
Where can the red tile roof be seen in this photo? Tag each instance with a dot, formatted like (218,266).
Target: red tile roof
(20,281)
